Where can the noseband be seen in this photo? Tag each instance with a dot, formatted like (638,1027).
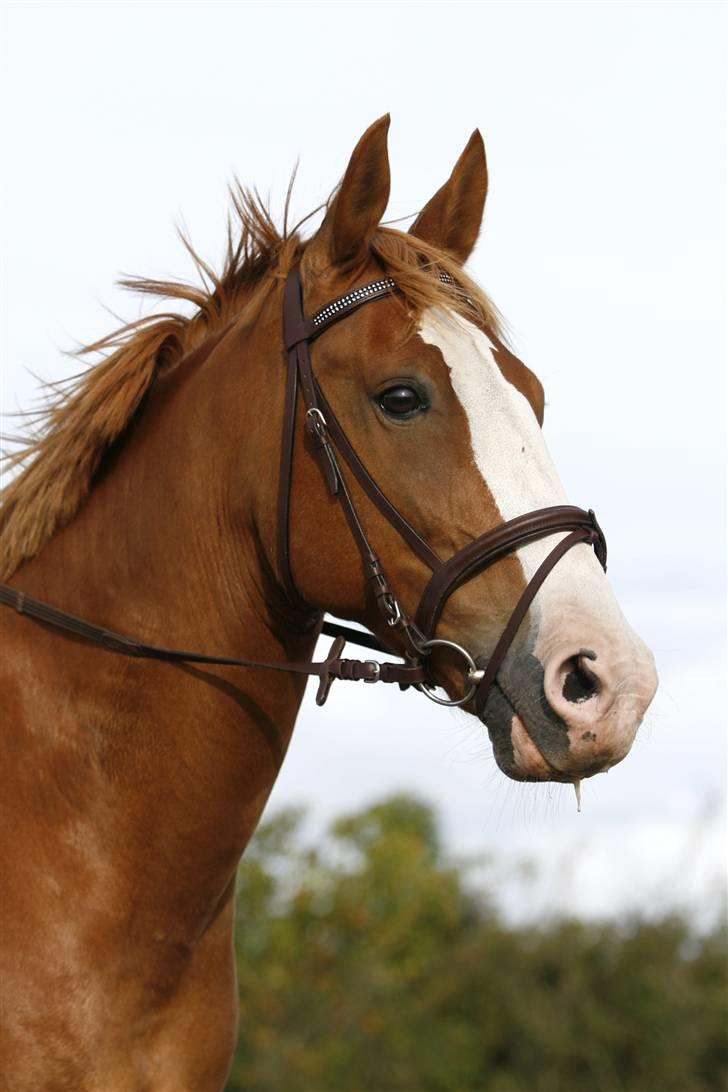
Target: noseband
(413,637)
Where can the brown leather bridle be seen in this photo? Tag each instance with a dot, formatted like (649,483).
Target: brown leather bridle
(415,636)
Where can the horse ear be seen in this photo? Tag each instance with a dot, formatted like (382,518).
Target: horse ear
(451,219)
(362,197)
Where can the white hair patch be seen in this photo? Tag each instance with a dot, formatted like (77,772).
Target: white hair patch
(510,453)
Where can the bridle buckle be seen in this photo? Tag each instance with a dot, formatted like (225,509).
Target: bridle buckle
(317,422)
(393,610)
(376,669)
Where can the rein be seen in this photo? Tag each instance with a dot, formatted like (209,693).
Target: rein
(415,634)
(333,667)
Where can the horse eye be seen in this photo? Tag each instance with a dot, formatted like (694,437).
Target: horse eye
(401,401)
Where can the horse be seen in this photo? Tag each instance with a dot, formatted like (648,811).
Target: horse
(337,415)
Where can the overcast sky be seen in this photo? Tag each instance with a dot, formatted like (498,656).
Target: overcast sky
(603,246)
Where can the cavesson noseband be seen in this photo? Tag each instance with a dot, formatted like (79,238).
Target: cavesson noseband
(415,635)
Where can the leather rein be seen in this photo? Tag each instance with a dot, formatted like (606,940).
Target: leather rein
(415,635)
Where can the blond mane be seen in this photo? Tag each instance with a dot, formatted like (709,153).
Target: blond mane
(63,445)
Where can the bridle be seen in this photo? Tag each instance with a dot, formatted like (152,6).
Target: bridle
(329,441)
(414,635)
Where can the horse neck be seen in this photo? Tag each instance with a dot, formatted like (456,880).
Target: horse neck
(166,549)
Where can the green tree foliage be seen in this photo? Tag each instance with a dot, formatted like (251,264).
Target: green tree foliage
(372,966)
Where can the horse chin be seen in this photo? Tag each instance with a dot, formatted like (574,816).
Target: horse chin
(514,750)
(519,758)
(528,762)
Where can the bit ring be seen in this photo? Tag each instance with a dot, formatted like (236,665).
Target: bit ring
(473,674)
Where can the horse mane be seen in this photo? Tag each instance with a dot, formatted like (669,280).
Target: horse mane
(64,442)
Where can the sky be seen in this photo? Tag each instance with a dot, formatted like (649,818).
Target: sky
(604,247)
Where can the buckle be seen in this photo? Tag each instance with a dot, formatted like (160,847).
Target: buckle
(392,610)
(317,422)
(376,669)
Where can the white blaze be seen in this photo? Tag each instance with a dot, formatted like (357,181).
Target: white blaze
(510,453)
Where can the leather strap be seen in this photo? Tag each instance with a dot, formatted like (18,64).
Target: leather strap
(496,544)
(581,534)
(300,329)
(333,667)
(356,637)
(319,418)
(405,530)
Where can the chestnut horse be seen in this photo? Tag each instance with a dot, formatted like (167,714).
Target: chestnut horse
(148,504)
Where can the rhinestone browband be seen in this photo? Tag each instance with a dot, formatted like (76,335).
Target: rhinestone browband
(358,295)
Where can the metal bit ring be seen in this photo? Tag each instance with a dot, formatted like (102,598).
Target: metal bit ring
(473,674)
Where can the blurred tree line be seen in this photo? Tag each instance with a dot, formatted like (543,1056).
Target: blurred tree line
(374,966)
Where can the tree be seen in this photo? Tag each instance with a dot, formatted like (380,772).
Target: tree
(368,964)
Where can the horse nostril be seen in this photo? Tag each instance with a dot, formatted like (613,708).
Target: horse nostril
(580,683)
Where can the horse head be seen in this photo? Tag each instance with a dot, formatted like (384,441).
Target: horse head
(447,423)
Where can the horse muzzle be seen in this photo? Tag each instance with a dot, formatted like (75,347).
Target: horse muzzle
(570,718)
